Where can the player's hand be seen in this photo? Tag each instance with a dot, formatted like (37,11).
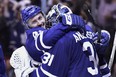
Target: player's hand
(104,41)
(73,20)
(105,37)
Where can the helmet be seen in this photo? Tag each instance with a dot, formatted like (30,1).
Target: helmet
(63,9)
(29,12)
(56,12)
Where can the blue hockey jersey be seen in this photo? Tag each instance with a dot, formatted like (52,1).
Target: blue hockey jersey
(37,43)
(40,40)
(74,55)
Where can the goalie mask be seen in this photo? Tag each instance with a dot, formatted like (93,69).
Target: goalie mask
(30,12)
(56,13)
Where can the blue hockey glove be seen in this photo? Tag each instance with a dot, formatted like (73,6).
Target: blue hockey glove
(105,38)
(73,20)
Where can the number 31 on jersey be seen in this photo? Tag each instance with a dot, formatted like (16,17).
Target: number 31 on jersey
(47,58)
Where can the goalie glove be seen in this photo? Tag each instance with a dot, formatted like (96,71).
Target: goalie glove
(22,63)
(104,41)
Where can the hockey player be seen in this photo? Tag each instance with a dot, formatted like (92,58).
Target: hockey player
(72,56)
(105,37)
(47,56)
(36,34)
(33,17)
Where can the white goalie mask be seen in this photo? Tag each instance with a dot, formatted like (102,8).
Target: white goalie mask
(56,12)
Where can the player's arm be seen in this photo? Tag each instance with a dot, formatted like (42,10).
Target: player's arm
(55,63)
(41,40)
(104,41)
(101,48)
(45,39)
(67,21)
(105,71)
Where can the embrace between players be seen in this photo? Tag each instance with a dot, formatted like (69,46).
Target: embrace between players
(63,50)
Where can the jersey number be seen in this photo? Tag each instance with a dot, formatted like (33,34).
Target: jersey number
(48,58)
(93,71)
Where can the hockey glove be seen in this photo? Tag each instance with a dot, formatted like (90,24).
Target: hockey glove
(22,63)
(105,38)
(73,20)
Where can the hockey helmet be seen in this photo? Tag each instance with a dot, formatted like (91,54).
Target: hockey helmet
(29,12)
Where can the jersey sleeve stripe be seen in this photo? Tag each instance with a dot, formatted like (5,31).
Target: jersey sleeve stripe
(47,73)
(36,35)
(41,41)
(37,73)
(107,75)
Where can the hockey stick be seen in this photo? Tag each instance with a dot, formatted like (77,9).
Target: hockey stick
(91,19)
(112,53)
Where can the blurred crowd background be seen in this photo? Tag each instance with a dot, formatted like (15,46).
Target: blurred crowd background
(12,30)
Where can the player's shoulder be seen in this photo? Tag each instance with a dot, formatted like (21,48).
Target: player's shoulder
(69,35)
(29,31)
